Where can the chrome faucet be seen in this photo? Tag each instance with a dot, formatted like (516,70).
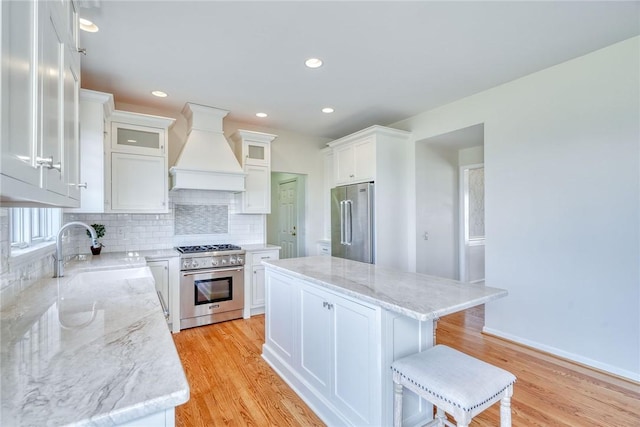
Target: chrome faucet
(58,259)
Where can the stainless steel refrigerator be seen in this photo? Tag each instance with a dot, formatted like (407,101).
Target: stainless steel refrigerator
(352,222)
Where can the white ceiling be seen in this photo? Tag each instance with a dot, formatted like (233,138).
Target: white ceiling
(384,61)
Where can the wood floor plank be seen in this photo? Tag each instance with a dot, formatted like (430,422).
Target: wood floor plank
(231,385)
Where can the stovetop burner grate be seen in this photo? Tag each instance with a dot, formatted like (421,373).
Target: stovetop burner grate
(207,248)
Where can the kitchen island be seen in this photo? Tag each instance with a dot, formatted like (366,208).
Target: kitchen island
(334,326)
(90,349)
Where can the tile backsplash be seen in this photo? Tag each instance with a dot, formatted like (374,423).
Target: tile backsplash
(195,217)
(201,219)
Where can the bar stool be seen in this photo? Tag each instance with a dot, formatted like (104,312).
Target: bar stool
(453,382)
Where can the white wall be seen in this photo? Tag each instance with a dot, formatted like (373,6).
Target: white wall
(562,204)
(437,210)
(471,156)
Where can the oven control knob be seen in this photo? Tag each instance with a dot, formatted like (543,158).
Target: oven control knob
(214,261)
(240,260)
(232,260)
(224,261)
(186,263)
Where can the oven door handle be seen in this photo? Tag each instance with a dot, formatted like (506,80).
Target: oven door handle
(210,271)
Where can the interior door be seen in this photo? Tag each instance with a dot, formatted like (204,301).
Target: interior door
(288,215)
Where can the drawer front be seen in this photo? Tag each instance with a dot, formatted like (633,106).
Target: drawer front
(257,258)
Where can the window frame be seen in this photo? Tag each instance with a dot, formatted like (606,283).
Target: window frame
(33,226)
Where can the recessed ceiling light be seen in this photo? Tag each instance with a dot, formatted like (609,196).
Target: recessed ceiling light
(88,26)
(159,93)
(327,110)
(313,63)
(261,115)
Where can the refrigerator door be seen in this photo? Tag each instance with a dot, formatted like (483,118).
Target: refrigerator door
(359,222)
(352,222)
(338,196)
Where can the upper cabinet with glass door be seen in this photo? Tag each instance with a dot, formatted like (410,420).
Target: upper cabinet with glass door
(253,148)
(138,133)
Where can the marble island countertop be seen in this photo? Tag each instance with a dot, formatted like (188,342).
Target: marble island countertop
(89,349)
(418,296)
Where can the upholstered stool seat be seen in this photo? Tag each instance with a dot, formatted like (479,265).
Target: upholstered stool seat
(455,383)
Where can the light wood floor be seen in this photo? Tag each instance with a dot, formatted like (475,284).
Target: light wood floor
(232,386)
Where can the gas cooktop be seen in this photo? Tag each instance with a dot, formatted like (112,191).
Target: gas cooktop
(207,248)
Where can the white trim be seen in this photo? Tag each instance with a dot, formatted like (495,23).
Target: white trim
(633,376)
(463,216)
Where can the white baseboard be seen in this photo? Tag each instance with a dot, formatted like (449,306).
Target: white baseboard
(633,376)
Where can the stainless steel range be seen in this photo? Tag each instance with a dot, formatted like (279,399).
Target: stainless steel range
(211,284)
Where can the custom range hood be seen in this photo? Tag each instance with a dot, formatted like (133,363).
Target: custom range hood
(207,161)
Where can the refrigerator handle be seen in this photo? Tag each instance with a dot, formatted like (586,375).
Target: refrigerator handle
(342,222)
(348,227)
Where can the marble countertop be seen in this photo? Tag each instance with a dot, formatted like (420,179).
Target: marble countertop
(89,349)
(418,296)
(259,247)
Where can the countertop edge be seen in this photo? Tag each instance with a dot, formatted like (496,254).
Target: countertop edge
(433,315)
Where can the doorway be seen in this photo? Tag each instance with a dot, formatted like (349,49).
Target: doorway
(439,201)
(285,224)
(472,235)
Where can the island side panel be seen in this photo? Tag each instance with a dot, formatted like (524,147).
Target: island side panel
(403,336)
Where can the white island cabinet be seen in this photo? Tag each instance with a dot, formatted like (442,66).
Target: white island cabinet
(334,326)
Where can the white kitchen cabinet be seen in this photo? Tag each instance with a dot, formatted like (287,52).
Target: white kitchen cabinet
(138,183)
(257,195)
(71,122)
(136,170)
(328,342)
(166,418)
(95,109)
(253,151)
(40,85)
(160,271)
(131,138)
(338,351)
(281,330)
(254,280)
(166,274)
(355,161)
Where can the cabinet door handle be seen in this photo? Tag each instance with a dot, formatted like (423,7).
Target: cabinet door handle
(82,50)
(82,185)
(47,162)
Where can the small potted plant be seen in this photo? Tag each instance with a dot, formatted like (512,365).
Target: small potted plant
(100,230)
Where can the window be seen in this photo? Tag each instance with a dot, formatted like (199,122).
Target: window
(30,226)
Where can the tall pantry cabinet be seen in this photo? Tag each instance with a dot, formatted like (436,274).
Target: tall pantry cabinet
(40,95)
